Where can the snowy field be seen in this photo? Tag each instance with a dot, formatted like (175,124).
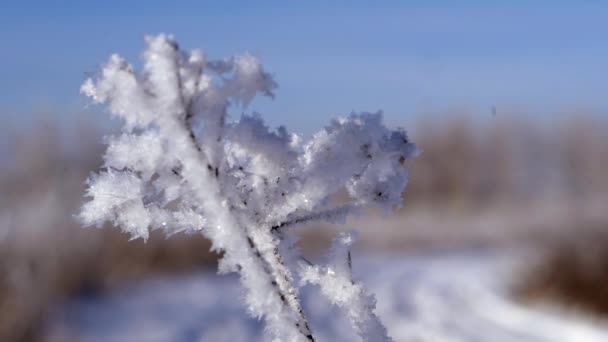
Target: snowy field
(439,297)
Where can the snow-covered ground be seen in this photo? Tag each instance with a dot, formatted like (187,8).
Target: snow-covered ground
(439,297)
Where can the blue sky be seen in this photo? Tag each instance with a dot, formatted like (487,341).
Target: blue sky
(407,58)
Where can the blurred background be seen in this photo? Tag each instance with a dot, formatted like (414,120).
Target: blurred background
(507,102)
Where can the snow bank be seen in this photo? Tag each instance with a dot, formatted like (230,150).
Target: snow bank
(448,297)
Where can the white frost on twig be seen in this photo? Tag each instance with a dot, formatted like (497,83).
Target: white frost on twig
(182,163)
(337,285)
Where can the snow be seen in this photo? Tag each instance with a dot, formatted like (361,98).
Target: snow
(453,296)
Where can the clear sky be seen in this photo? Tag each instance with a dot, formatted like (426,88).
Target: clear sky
(404,57)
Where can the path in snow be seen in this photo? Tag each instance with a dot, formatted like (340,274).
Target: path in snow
(445,297)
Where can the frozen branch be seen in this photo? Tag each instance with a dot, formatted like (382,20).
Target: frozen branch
(181,164)
(337,285)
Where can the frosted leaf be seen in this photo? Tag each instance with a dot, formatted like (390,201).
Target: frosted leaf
(116,197)
(142,153)
(248,78)
(119,88)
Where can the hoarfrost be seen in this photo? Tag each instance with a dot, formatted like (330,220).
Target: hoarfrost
(182,164)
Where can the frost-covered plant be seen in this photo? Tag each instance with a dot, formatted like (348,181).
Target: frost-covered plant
(181,164)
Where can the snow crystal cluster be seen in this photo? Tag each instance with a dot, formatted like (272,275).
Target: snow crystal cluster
(182,164)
